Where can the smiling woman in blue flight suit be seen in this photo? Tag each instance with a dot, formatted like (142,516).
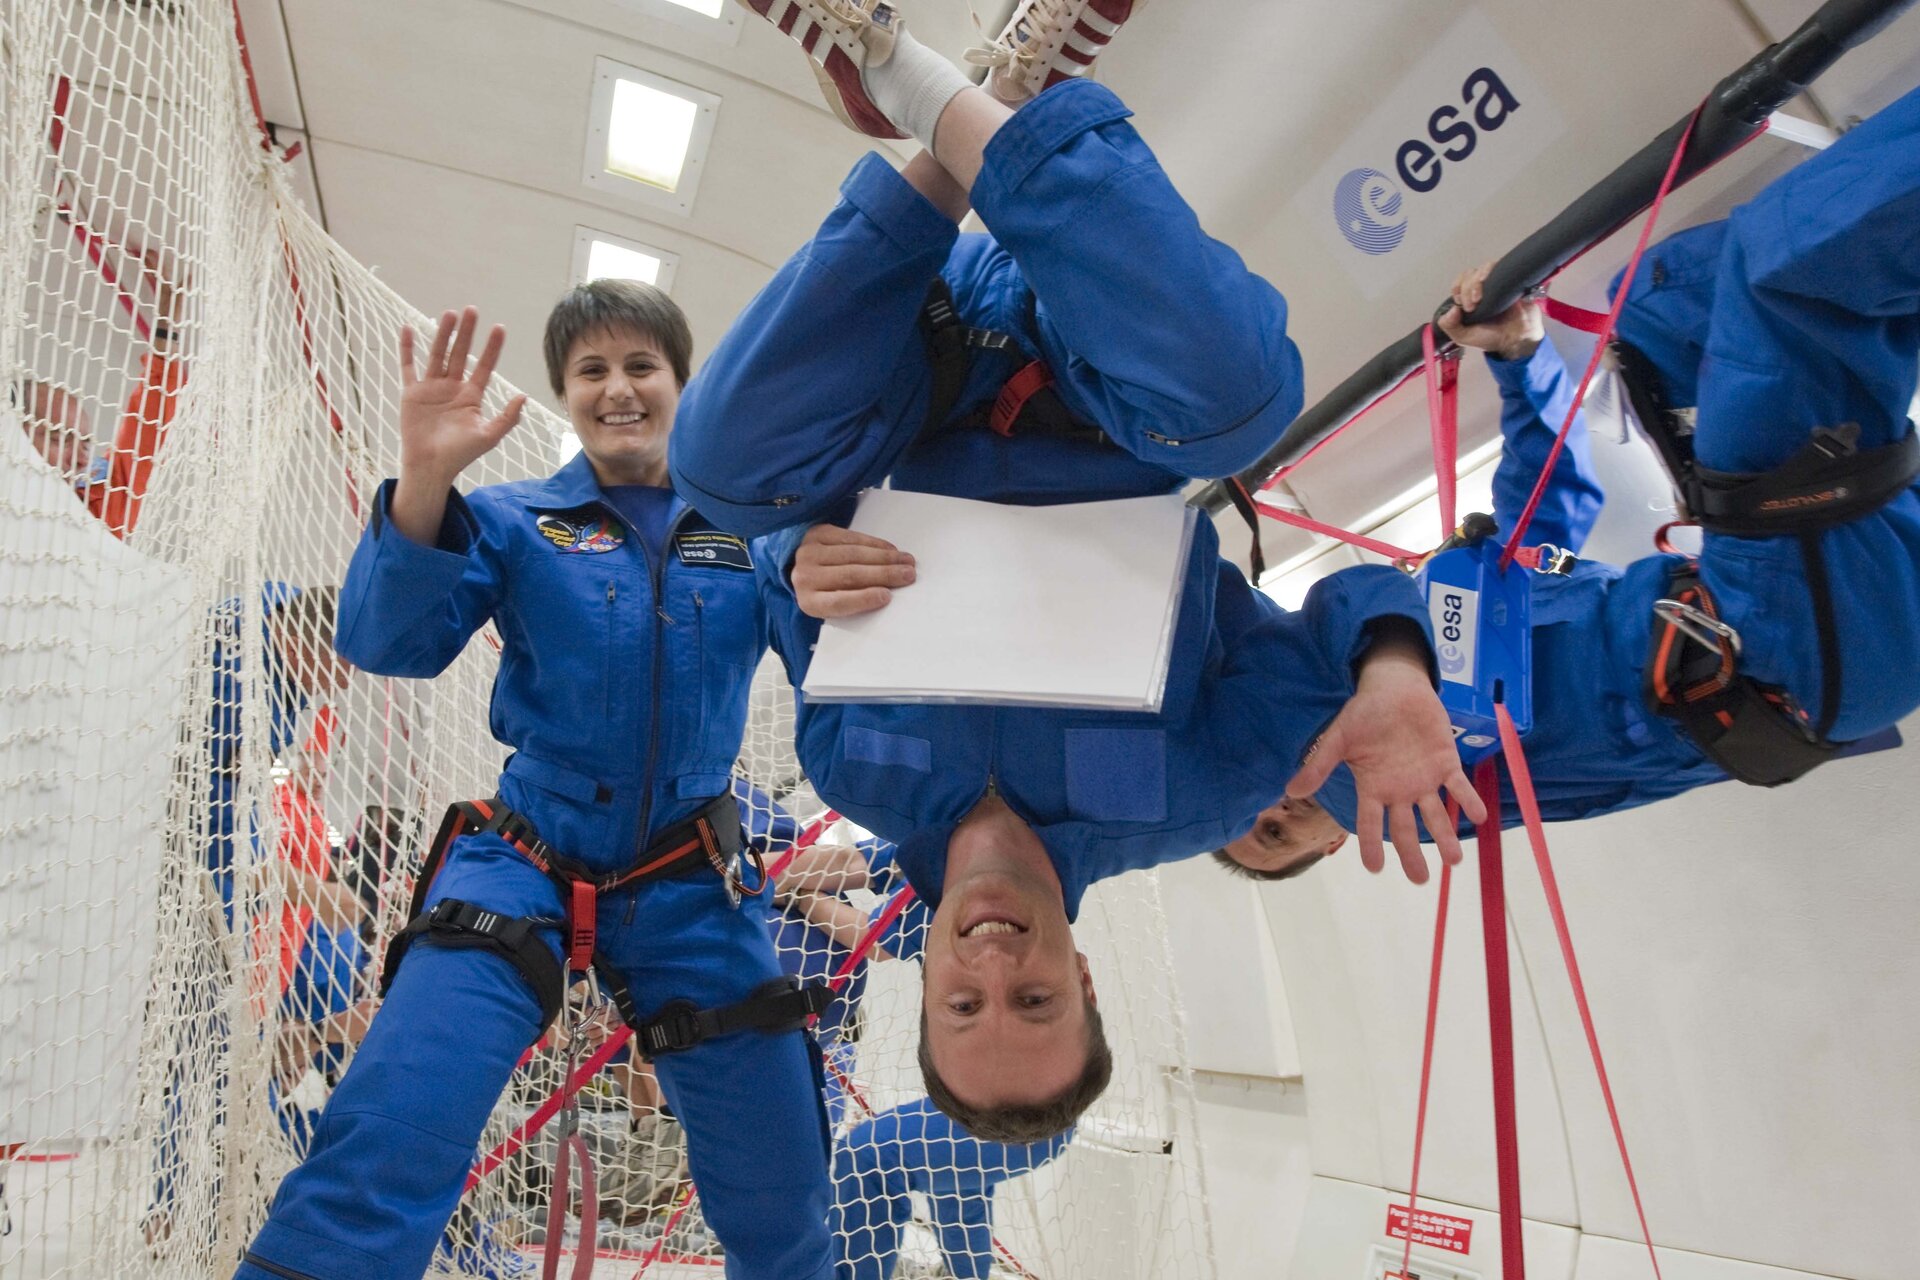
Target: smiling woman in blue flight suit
(630,628)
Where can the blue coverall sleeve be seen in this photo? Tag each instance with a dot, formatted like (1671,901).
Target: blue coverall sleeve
(823,380)
(1535,394)
(408,610)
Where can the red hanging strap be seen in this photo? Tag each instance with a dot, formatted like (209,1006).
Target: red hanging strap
(1600,347)
(1537,836)
(572,1149)
(1361,540)
(1575,317)
(1443,424)
(1426,1051)
(1493,930)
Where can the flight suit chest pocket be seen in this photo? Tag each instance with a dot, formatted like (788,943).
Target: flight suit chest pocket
(725,612)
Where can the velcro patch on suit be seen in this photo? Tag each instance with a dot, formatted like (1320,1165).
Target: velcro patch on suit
(1117,775)
(583,535)
(712,549)
(870,746)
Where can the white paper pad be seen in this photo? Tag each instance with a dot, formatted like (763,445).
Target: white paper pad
(1056,606)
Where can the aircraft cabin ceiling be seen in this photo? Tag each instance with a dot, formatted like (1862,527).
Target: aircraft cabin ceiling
(446,145)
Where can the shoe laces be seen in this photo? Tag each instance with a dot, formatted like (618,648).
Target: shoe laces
(1016,46)
(857,14)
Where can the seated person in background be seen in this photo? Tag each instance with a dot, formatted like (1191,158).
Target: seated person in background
(114,483)
(1169,360)
(1799,313)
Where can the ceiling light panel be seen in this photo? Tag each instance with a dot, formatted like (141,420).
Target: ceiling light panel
(719,19)
(648,136)
(599,255)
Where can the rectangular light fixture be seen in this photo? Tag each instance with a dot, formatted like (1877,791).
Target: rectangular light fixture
(648,135)
(600,255)
(715,19)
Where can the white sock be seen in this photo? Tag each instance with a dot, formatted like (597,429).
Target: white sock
(914,86)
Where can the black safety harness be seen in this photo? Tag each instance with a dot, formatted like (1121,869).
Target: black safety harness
(1027,404)
(709,842)
(1757,733)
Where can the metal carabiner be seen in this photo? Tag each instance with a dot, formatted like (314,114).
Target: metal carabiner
(1701,627)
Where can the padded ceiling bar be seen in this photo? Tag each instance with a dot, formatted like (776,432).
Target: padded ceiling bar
(1738,106)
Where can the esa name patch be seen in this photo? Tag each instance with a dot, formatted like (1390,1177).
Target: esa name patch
(713,549)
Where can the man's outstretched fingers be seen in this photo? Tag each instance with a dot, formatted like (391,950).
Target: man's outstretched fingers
(1467,797)
(1433,811)
(1406,840)
(1367,819)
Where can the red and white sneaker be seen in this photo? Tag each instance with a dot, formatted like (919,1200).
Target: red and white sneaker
(1047,42)
(843,38)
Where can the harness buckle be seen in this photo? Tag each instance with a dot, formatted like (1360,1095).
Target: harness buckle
(675,1029)
(1697,625)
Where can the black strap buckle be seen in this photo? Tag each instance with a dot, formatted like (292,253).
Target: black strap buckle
(780,1005)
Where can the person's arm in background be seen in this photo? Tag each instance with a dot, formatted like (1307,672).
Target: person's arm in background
(116,497)
(1536,391)
(839,919)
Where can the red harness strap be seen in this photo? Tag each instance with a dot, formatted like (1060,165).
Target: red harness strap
(1604,334)
(1493,932)
(1537,836)
(1023,386)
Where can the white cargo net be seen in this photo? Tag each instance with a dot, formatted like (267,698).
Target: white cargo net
(199,400)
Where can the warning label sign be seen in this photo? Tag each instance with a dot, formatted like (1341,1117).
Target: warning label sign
(1436,1229)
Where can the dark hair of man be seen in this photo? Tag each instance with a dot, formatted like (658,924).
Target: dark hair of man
(612,305)
(1288,872)
(309,615)
(1027,1122)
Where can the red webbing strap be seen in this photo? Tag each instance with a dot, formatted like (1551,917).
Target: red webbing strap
(1443,424)
(1575,317)
(1493,930)
(550,1108)
(1347,536)
(887,916)
(1537,837)
(660,1243)
(1023,386)
(584,1256)
(1426,1051)
(1599,347)
(582,925)
(1302,460)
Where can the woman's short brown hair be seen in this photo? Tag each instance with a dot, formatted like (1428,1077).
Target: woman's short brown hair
(617,304)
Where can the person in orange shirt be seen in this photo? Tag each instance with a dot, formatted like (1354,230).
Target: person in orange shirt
(114,483)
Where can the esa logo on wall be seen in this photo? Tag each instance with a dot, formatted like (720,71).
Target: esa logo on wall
(1370,206)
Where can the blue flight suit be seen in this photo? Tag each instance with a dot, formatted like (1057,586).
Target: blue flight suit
(623,690)
(1155,332)
(1800,310)
(916,1147)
